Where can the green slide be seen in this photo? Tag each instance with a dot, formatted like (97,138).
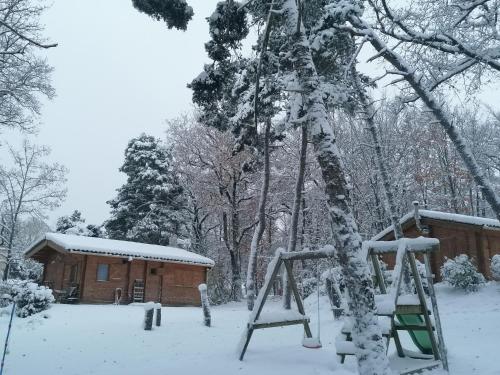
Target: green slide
(421,339)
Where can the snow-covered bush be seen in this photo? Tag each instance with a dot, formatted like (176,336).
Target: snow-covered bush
(495,267)
(309,286)
(24,269)
(423,276)
(30,298)
(462,273)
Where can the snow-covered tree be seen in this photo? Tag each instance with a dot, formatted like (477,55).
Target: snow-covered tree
(150,206)
(29,187)
(75,224)
(24,73)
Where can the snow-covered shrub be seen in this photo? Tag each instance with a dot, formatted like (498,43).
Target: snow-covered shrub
(462,273)
(24,269)
(309,286)
(495,267)
(423,276)
(30,298)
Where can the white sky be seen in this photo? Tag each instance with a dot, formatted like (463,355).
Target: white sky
(117,73)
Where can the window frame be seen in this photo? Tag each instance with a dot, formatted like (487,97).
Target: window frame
(99,265)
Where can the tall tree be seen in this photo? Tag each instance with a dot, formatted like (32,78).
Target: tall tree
(150,206)
(29,188)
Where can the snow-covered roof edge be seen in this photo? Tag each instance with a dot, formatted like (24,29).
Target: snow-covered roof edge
(444,216)
(116,248)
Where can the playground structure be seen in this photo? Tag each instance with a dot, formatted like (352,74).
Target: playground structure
(258,320)
(405,312)
(397,311)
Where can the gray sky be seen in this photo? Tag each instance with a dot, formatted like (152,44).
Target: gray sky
(117,73)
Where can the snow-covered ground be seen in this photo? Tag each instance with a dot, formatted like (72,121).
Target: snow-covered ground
(106,339)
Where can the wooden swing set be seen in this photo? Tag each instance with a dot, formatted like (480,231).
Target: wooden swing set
(397,312)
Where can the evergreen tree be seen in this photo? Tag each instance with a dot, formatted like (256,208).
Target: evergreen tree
(150,206)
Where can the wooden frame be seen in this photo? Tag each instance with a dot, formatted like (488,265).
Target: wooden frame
(406,249)
(285,259)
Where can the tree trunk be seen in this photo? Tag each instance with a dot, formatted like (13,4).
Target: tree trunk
(367,335)
(294,222)
(261,224)
(235,269)
(442,118)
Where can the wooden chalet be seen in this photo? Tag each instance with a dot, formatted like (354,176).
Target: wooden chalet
(96,270)
(477,237)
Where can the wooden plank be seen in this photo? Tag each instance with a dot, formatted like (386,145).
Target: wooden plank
(435,309)
(421,296)
(281,323)
(378,273)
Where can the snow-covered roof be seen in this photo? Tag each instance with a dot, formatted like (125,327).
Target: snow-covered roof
(444,216)
(115,248)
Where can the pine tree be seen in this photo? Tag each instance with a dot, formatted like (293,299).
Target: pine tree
(150,206)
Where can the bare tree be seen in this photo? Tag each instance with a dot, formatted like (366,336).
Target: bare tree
(29,188)
(24,76)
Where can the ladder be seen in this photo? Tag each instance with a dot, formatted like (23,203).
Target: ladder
(138,291)
(395,310)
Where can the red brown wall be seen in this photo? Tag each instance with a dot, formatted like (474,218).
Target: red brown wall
(168,283)
(455,239)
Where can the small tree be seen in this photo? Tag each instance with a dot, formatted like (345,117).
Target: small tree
(495,267)
(461,273)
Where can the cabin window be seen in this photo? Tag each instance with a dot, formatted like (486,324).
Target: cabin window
(102,272)
(73,273)
(153,271)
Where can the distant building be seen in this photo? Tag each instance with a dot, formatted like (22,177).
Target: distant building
(477,237)
(99,270)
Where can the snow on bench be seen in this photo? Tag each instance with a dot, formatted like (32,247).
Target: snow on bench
(279,318)
(384,322)
(345,348)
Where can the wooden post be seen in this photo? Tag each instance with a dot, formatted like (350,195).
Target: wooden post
(148,316)
(205,304)
(158,314)
(435,310)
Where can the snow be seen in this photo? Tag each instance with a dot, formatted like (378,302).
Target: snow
(108,339)
(446,216)
(280,316)
(126,249)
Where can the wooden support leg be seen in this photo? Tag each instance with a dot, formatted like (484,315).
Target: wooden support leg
(249,336)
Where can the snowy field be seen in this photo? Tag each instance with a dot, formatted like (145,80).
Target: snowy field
(104,339)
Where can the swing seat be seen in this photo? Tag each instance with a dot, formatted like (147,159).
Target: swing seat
(311,343)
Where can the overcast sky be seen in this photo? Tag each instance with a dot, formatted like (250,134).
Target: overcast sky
(117,73)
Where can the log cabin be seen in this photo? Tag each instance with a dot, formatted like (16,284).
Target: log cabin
(97,270)
(477,237)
